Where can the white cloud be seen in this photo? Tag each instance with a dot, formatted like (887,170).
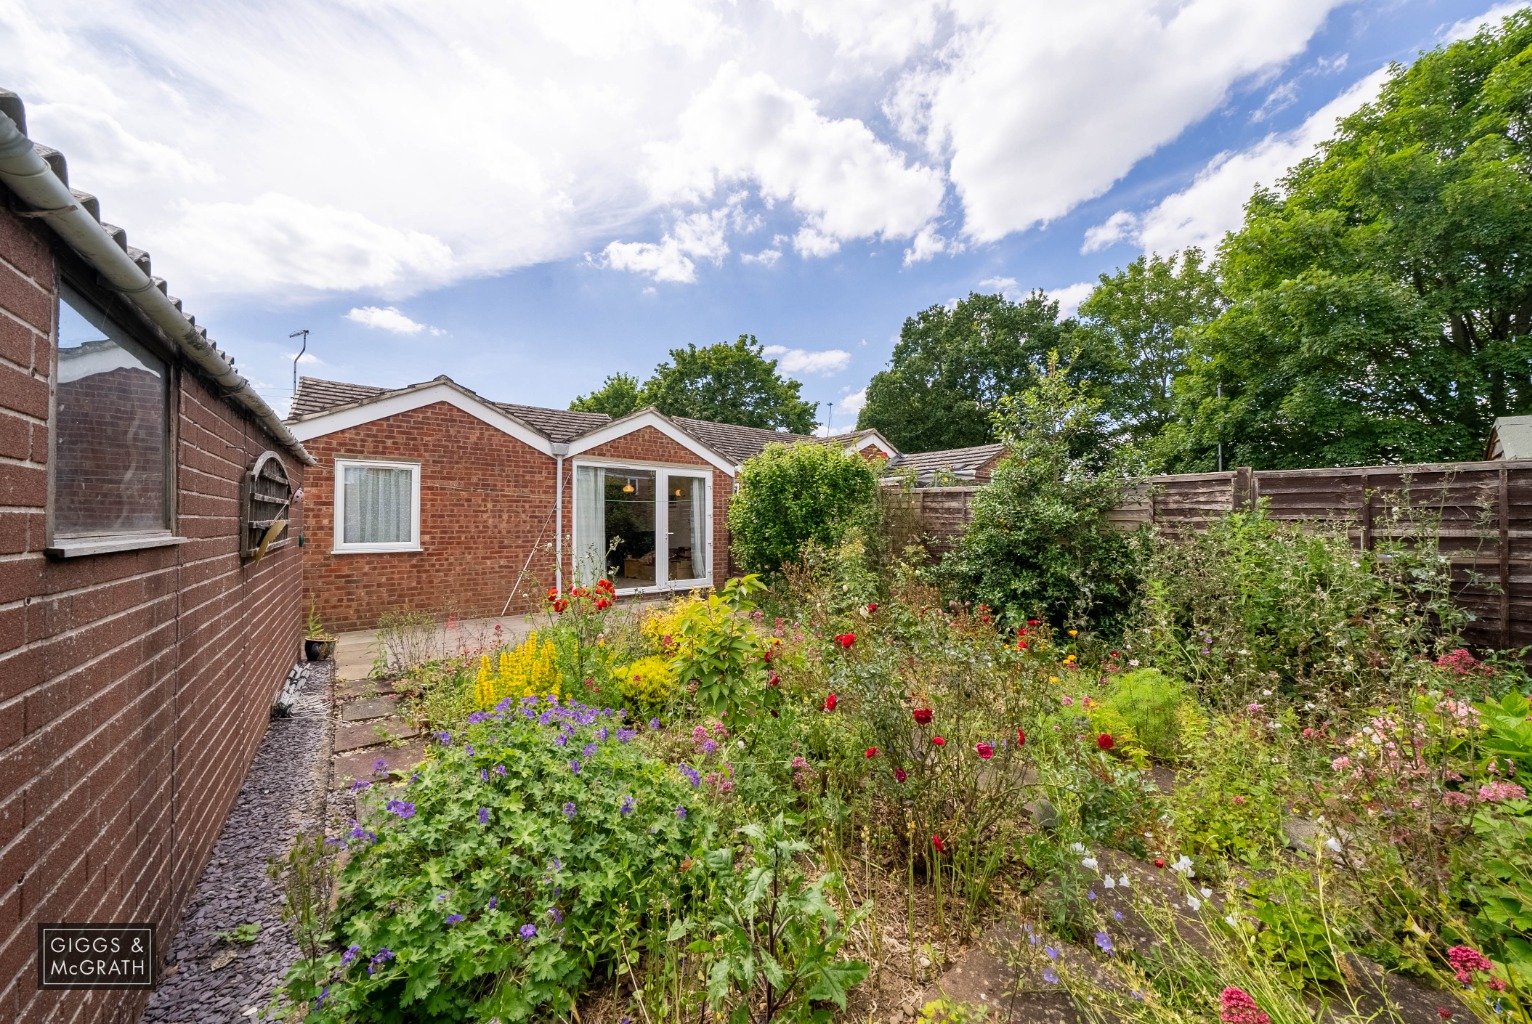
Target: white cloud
(697,237)
(1214,202)
(389,318)
(1070,296)
(1040,108)
(834,172)
(766,257)
(1278,100)
(854,402)
(797,360)
(928,244)
(1001,285)
(1471,26)
(876,33)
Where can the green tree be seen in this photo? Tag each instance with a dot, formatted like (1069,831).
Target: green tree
(618,396)
(792,494)
(729,383)
(1381,297)
(952,365)
(1039,544)
(1142,317)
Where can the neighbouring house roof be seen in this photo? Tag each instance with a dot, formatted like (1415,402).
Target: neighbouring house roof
(192,339)
(963,463)
(1510,438)
(731,442)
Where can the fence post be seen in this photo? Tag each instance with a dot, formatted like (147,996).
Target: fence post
(1504,501)
(1366,514)
(1243,497)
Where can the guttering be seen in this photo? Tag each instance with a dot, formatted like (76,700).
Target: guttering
(26,174)
(559,450)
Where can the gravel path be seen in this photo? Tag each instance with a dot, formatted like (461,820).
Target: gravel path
(209,980)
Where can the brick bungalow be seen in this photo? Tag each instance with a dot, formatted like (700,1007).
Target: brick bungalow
(448,501)
(142,640)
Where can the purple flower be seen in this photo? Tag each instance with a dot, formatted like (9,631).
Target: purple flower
(494,901)
(1050,976)
(654,723)
(624,735)
(1053,954)
(569,809)
(627,805)
(476,718)
(383,955)
(444,737)
(349,955)
(681,811)
(602,733)
(709,747)
(380,767)
(483,774)
(500,770)
(1090,894)
(468,750)
(562,739)
(590,750)
(403,808)
(574,766)
(1117,915)
(1104,941)
(483,815)
(529,931)
(453,919)
(324,994)
(691,774)
(357,784)
(556,914)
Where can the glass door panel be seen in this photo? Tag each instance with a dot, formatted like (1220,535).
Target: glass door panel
(630,507)
(686,523)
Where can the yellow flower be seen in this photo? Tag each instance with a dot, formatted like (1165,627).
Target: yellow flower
(1074,632)
(1053,679)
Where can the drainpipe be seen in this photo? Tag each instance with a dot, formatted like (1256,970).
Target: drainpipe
(25,173)
(559,451)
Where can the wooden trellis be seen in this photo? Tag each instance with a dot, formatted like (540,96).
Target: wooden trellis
(268,497)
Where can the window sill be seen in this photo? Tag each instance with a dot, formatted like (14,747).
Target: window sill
(372,549)
(80,547)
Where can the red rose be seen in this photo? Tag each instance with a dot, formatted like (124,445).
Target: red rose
(553,593)
(775,680)
(938,741)
(872,752)
(1105,741)
(936,841)
(605,585)
(985,751)
(923,716)
(1021,645)
(1159,862)
(830,702)
(559,606)
(1021,738)
(846,640)
(899,774)
(1032,622)
(872,606)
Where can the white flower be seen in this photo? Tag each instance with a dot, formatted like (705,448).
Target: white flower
(1266,693)
(1232,921)
(1332,844)
(1090,862)
(1184,866)
(740,744)
(1207,893)
(1194,902)
(1109,882)
(1123,881)
(1133,662)
(1077,847)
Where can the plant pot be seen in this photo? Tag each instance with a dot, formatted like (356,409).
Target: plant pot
(318,650)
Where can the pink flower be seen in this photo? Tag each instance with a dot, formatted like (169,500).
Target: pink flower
(899,774)
(985,751)
(1465,961)
(1239,1008)
(1493,791)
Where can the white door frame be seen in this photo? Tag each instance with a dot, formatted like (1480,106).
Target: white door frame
(663,472)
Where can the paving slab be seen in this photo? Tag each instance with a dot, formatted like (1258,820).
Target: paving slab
(356,735)
(358,764)
(368,708)
(347,689)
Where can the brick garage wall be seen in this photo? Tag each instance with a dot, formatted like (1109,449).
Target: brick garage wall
(647,445)
(112,430)
(134,687)
(485,498)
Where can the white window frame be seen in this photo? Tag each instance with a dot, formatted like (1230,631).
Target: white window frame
(663,472)
(340,546)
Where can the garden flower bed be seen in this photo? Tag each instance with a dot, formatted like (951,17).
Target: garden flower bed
(807,803)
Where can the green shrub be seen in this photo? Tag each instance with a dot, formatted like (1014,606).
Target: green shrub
(792,494)
(1039,545)
(1142,709)
(501,879)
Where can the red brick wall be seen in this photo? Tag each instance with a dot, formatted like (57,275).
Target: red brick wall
(485,498)
(134,687)
(649,445)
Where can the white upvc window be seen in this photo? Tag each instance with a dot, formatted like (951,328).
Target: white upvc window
(377,506)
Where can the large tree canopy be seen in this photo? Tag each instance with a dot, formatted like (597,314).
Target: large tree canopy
(952,365)
(1381,298)
(1141,319)
(726,383)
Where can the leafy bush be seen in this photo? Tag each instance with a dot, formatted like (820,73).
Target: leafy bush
(1232,803)
(719,652)
(1039,545)
(647,682)
(1255,604)
(509,871)
(1142,710)
(792,494)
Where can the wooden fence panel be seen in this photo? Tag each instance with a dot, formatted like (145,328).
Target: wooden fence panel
(1479,513)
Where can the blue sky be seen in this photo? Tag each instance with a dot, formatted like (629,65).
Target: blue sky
(527,197)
